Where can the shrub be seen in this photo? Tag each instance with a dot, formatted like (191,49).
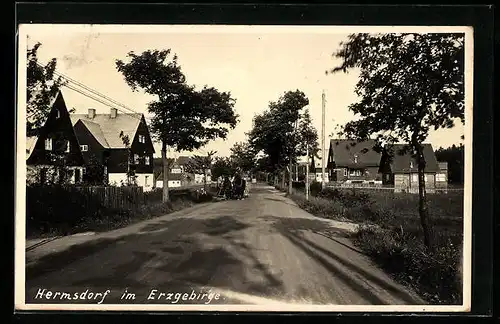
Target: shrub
(315,188)
(435,275)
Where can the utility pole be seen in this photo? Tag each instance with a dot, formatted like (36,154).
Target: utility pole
(323,183)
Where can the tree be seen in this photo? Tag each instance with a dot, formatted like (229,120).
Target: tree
(131,176)
(454,156)
(408,84)
(42,87)
(275,132)
(221,167)
(182,118)
(201,164)
(243,156)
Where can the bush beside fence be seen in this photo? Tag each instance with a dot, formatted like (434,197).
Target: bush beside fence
(61,210)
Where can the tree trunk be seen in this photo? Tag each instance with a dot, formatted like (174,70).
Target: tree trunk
(283,173)
(422,201)
(166,171)
(290,179)
(205,180)
(307,173)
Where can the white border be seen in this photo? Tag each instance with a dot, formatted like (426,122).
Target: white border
(267,305)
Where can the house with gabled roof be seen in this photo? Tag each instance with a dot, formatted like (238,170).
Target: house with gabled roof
(354,161)
(117,146)
(53,152)
(399,168)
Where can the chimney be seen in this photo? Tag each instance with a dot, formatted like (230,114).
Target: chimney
(91,114)
(113,112)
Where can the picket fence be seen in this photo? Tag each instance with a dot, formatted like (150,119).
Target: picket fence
(112,197)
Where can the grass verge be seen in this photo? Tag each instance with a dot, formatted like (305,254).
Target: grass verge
(396,242)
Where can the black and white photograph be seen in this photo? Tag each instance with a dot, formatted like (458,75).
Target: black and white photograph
(244,168)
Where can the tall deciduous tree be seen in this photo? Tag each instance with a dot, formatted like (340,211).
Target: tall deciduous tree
(275,131)
(183,118)
(409,83)
(42,86)
(221,167)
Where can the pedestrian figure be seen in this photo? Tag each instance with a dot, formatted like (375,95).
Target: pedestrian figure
(226,185)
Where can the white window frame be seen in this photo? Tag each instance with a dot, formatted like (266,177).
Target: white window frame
(146,181)
(84,147)
(48,144)
(411,164)
(146,160)
(58,114)
(142,139)
(355,173)
(68,146)
(441,177)
(136,158)
(414,177)
(346,172)
(355,159)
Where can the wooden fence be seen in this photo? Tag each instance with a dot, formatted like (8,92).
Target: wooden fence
(112,197)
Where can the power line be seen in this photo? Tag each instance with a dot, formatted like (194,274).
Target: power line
(95,92)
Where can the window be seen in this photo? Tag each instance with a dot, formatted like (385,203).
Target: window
(355,159)
(58,114)
(136,158)
(414,177)
(355,173)
(146,181)
(68,146)
(48,144)
(387,177)
(411,164)
(142,139)
(84,147)
(441,177)
(146,160)
(345,172)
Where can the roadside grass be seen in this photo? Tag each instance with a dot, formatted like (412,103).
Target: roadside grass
(396,240)
(59,217)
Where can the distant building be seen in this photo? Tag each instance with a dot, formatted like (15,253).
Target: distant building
(316,173)
(351,161)
(174,180)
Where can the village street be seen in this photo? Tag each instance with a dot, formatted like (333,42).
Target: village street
(251,251)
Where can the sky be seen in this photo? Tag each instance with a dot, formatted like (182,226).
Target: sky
(255,65)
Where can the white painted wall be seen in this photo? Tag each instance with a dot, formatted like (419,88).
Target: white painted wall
(171,183)
(319,178)
(115,179)
(145,180)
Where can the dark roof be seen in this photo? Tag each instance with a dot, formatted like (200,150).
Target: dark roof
(107,130)
(401,159)
(344,152)
(183,160)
